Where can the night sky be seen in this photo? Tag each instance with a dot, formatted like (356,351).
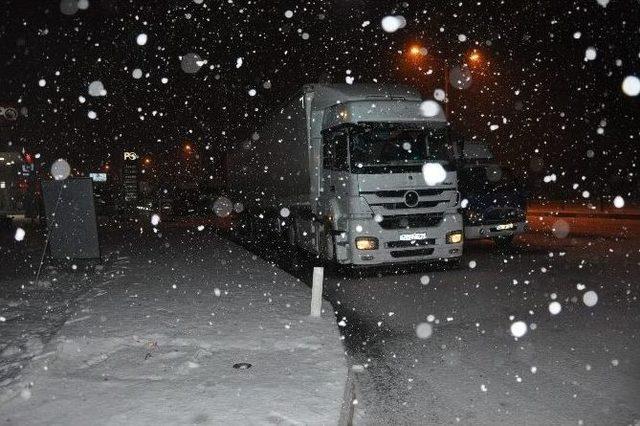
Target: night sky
(533,80)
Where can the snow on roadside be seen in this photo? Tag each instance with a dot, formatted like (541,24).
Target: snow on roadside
(33,312)
(165,329)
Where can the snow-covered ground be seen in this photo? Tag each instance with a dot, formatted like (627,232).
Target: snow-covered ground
(32,310)
(155,341)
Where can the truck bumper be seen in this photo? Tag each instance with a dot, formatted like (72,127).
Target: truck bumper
(393,247)
(489,231)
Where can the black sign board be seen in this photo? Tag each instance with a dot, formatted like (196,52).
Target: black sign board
(71,218)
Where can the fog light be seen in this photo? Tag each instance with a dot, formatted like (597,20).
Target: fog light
(366,243)
(454,237)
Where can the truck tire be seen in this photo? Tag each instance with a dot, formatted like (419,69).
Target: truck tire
(330,260)
(330,249)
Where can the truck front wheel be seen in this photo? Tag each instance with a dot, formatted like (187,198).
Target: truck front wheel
(330,248)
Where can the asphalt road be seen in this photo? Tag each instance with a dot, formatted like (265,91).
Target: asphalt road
(435,347)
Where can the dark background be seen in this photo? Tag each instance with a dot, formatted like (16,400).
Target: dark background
(527,47)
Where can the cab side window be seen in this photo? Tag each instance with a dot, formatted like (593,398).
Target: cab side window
(328,151)
(335,151)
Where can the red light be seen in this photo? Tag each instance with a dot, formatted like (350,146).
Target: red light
(28,158)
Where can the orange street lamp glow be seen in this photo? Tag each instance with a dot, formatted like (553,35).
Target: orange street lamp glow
(474,57)
(417,50)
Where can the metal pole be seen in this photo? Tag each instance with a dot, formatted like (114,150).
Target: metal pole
(446,90)
(316,291)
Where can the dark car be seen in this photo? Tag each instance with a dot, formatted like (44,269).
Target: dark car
(494,203)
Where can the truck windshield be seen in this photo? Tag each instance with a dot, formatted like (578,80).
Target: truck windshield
(397,145)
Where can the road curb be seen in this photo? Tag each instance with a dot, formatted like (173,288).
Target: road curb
(352,404)
(347,409)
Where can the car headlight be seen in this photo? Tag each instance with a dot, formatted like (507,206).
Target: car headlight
(454,237)
(366,243)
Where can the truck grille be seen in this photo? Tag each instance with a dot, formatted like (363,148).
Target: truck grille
(425,220)
(420,205)
(410,253)
(400,193)
(418,243)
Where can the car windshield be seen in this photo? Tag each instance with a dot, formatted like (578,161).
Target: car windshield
(389,145)
(488,177)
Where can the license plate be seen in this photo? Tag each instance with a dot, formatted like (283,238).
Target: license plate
(414,237)
(505,226)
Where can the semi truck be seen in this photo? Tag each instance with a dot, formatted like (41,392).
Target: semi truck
(355,174)
(494,203)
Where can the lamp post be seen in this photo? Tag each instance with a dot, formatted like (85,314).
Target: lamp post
(472,59)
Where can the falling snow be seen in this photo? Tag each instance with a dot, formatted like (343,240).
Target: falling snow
(233,147)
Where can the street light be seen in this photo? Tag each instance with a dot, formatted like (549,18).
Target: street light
(417,51)
(187,148)
(474,58)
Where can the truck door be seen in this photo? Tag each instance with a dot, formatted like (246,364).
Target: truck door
(335,171)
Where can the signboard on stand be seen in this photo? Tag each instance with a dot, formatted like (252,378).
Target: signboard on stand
(71,218)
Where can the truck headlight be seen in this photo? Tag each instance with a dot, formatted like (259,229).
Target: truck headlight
(454,237)
(366,243)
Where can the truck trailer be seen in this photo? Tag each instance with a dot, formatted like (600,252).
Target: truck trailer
(355,174)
